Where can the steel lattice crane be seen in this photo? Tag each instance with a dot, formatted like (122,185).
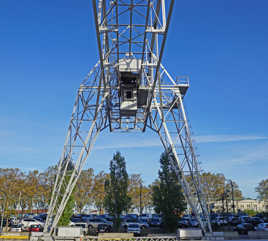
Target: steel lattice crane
(130,89)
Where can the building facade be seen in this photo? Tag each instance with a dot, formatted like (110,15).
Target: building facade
(240,205)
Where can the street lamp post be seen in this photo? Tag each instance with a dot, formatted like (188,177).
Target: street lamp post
(227,200)
(222,200)
(140,198)
(233,205)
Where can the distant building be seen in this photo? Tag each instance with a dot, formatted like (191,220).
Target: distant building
(242,205)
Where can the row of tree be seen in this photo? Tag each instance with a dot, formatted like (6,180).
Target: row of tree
(32,190)
(20,190)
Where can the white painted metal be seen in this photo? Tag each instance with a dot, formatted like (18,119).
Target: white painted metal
(131,36)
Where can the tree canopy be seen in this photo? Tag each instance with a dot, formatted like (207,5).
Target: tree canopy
(168,197)
(216,185)
(116,188)
(31,191)
(262,190)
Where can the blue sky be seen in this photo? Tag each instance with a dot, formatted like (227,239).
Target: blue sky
(47,47)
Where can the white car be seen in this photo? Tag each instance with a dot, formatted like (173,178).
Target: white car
(84,227)
(141,223)
(15,228)
(95,222)
(27,222)
(262,227)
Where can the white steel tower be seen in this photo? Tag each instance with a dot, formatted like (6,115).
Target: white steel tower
(130,89)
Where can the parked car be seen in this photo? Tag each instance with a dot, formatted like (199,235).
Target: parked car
(6,221)
(243,228)
(187,216)
(84,227)
(77,219)
(85,216)
(15,228)
(146,217)
(36,228)
(193,223)
(43,216)
(107,217)
(214,223)
(256,221)
(13,220)
(221,221)
(235,221)
(94,222)
(29,215)
(183,223)
(155,222)
(134,228)
(27,222)
(230,218)
(154,215)
(244,219)
(262,227)
(131,216)
(126,222)
(104,228)
(143,224)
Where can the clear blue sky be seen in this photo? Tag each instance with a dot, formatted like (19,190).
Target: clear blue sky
(47,47)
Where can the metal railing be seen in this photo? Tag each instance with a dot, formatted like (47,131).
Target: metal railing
(183,80)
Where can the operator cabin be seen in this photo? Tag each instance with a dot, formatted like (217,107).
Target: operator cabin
(132,95)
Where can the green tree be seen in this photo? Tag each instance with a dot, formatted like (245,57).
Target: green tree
(116,187)
(250,212)
(262,189)
(168,197)
(68,210)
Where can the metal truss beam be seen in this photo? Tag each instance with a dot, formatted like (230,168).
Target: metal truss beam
(173,120)
(88,119)
(130,30)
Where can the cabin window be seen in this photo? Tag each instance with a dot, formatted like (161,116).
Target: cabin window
(128,95)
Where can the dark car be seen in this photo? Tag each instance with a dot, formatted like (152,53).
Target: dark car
(132,216)
(235,221)
(155,222)
(183,223)
(41,217)
(76,218)
(103,228)
(5,221)
(243,228)
(256,221)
